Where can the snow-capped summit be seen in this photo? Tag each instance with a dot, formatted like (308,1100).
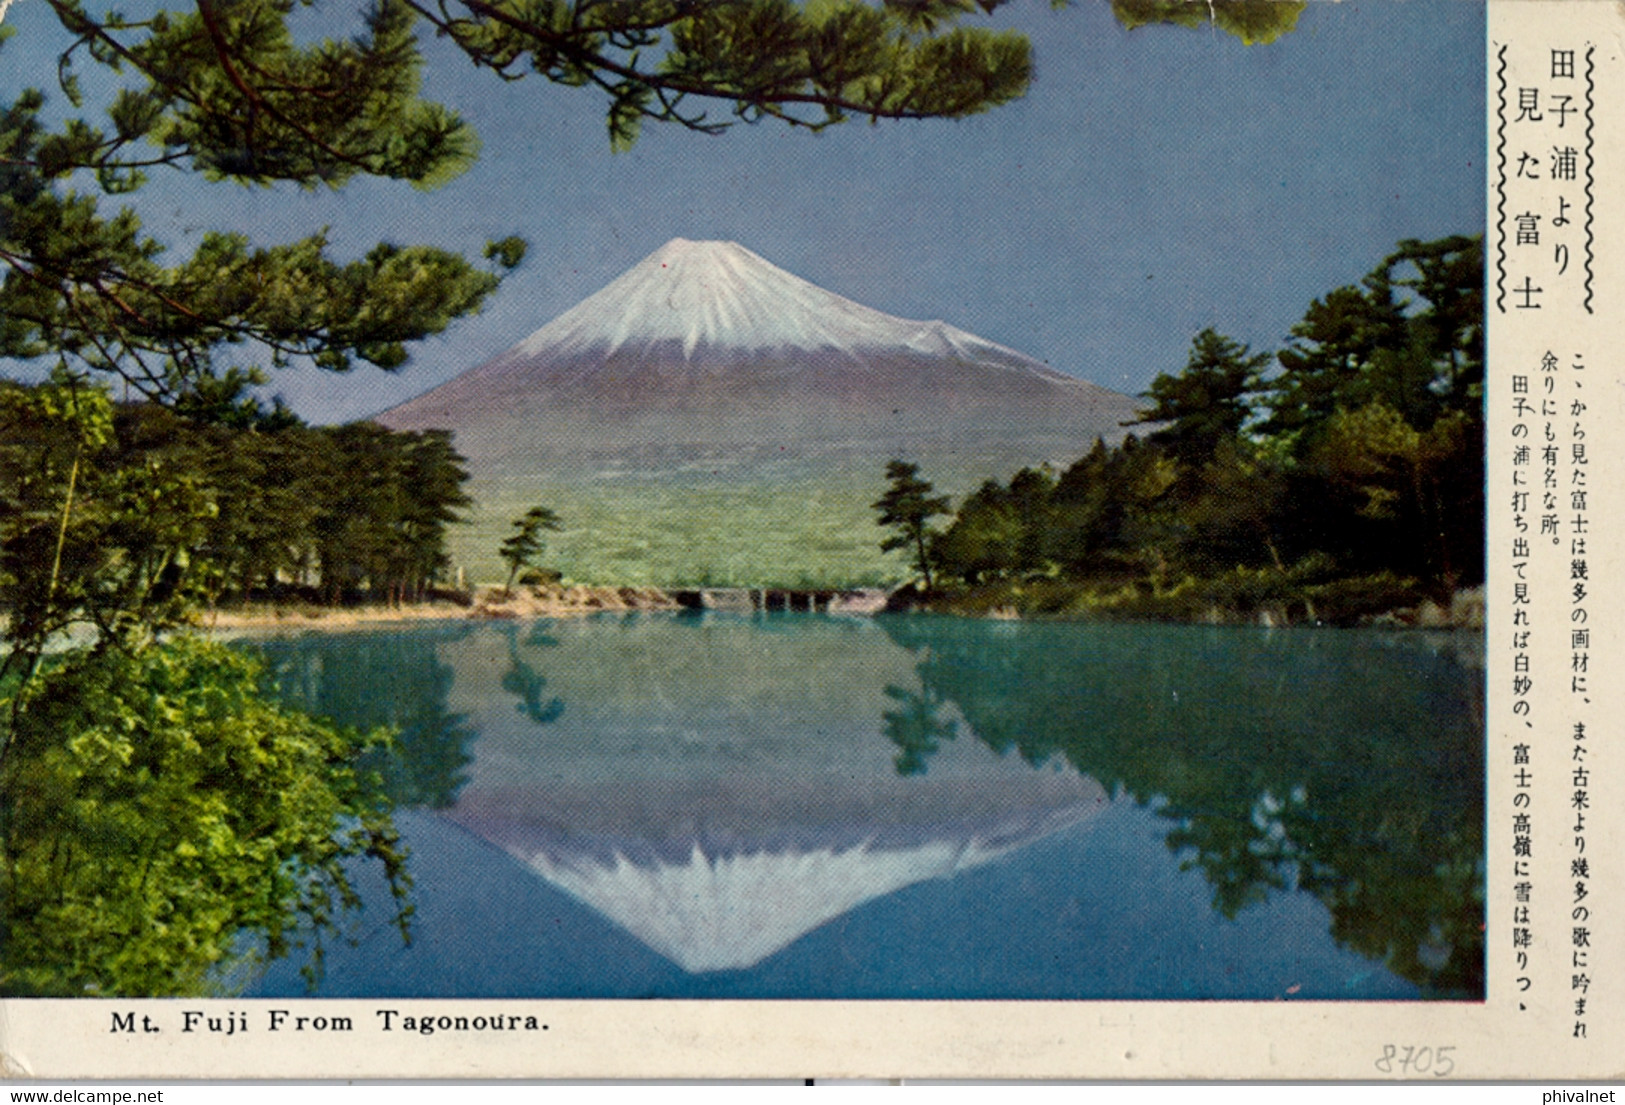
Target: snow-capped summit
(713,296)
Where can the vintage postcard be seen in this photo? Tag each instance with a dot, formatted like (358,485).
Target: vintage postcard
(749,538)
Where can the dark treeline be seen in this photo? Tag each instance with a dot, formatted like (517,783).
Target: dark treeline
(1345,481)
(225,511)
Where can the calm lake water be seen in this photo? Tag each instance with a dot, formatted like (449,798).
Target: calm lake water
(794,805)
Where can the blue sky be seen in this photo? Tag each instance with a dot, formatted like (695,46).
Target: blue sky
(1152,183)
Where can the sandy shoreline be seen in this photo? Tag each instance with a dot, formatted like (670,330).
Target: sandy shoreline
(493,603)
(487,603)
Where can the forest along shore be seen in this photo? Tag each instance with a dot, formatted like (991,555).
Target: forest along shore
(1465,611)
(1267,602)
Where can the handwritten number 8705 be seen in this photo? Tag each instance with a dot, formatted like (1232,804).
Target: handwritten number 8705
(1416,1060)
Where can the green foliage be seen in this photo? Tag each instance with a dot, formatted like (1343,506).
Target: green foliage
(907,508)
(1109,511)
(155,811)
(810,65)
(1410,336)
(1364,453)
(383,500)
(525,544)
(158,811)
(1000,531)
(83,537)
(92,290)
(986,536)
(166,513)
(507,252)
(1207,403)
(224,91)
(1252,21)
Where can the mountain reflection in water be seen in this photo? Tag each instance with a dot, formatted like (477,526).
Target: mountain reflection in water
(722,787)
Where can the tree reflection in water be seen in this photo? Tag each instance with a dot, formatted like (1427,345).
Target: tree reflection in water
(339,677)
(1305,760)
(916,729)
(524,681)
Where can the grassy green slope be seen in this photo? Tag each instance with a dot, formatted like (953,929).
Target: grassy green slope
(804,525)
(804,533)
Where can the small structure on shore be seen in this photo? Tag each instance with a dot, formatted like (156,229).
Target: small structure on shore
(864,601)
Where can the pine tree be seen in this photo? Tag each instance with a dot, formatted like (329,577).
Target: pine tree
(907,508)
(1207,403)
(1252,21)
(525,544)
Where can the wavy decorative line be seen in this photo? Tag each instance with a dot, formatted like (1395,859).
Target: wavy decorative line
(1501,182)
(1591,85)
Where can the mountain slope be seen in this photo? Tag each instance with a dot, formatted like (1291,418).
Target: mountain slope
(708,378)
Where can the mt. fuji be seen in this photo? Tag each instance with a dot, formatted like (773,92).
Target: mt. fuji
(685,415)
(718,298)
